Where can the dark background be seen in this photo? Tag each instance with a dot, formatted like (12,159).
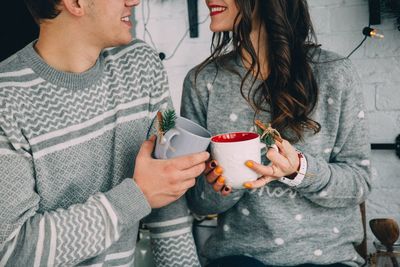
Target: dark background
(17,27)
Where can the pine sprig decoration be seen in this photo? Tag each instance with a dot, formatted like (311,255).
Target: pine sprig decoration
(165,122)
(268,135)
(168,120)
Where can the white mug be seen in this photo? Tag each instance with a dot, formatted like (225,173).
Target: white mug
(187,137)
(231,151)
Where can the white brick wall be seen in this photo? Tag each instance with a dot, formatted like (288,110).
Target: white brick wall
(338,24)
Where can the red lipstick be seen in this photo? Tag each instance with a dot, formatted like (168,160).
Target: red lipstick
(219,10)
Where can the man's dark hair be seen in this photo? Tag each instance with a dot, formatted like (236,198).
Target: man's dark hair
(43,9)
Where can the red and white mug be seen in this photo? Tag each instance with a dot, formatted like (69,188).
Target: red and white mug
(231,151)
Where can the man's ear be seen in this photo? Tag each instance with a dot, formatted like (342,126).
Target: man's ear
(75,7)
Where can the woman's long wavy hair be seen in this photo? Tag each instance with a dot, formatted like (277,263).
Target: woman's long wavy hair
(290,92)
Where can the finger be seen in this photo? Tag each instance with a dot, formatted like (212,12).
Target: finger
(188,184)
(280,147)
(226,190)
(153,138)
(181,188)
(285,148)
(275,157)
(259,168)
(186,162)
(277,172)
(291,154)
(178,194)
(214,174)
(194,171)
(210,165)
(217,186)
(283,163)
(147,147)
(260,182)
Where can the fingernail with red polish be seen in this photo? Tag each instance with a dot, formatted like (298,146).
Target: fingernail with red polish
(213,164)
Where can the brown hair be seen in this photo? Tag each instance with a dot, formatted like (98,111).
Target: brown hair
(43,9)
(290,92)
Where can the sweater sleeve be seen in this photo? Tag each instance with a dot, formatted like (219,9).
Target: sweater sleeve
(61,237)
(202,199)
(170,226)
(344,180)
(171,235)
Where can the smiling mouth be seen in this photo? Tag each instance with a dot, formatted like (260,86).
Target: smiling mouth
(215,10)
(125,19)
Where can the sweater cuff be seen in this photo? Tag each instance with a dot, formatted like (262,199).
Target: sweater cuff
(315,176)
(129,202)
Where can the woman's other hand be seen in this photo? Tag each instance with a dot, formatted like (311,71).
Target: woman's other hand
(214,176)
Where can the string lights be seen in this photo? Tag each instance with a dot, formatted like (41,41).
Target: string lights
(373,33)
(367,32)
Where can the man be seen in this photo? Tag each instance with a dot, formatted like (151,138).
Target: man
(74,178)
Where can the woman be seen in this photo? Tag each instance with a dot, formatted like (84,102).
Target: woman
(266,66)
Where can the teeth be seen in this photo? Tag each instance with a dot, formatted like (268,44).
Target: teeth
(217,9)
(125,19)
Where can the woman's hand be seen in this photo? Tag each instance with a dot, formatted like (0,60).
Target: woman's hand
(284,162)
(214,176)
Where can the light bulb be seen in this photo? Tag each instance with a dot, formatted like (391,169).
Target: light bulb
(377,34)
(373,33)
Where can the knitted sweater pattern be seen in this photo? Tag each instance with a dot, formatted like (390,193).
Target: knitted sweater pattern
(68,144)
(317,221)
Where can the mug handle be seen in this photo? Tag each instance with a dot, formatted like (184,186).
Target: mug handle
(165,144)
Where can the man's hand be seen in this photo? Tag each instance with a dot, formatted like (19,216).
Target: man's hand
(164,181)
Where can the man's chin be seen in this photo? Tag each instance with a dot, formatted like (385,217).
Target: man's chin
(121,42)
